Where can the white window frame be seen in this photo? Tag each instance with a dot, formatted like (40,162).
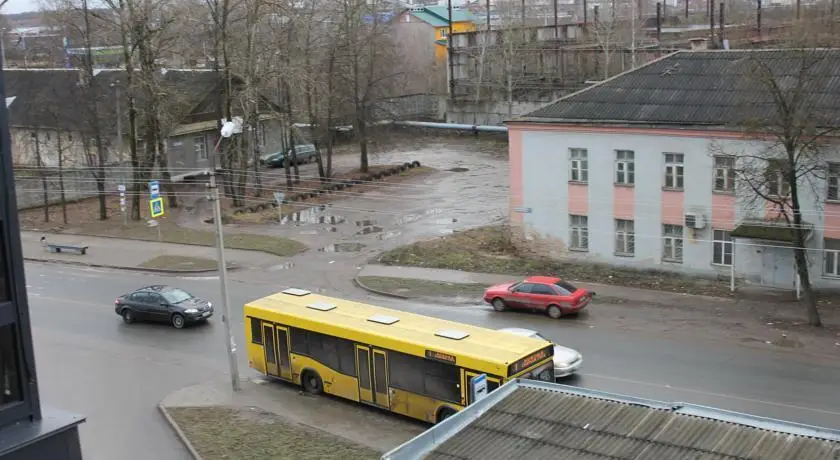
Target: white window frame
(625,237)
(833,182)
(672,243)
(674,170)
(578,232)
(831,258)
(722,239)
(724,180)
(777,186)
(579,166)
(625,167)
(200,148)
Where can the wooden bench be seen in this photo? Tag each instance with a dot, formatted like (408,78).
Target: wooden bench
(62,248)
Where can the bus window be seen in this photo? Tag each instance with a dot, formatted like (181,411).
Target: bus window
(256,331)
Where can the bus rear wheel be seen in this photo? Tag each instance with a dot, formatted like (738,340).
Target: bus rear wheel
(312,382)
(445,413)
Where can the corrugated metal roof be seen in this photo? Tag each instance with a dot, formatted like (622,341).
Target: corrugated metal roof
(438,16)
(708,88)
(537,420)
(429,18)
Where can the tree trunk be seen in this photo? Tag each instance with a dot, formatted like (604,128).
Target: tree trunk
(163,165)
(100,175)
(287,160)
(361,129)
(93,113)
(63,198)
(126,12)
(799,255)
(43,176)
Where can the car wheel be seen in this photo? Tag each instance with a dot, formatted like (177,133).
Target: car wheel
(499,304)
(554,311)
(312,383)
(127,316)
(177,321)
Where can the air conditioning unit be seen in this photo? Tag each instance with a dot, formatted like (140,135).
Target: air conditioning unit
(694,220)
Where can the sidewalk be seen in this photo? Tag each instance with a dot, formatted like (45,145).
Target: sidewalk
(378,430)
(131,254)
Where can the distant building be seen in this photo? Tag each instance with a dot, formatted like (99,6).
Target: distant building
(436,18)
(638,171)
(529,419)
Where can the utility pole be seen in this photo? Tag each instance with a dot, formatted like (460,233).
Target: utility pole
(230,342)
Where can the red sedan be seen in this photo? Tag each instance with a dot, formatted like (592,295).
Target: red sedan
(543,293)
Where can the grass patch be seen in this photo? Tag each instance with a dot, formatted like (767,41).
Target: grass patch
(171,233)
(421,288)
(492,250)
(179,263)
(253,434)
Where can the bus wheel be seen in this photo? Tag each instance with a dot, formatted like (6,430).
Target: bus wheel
(312,383)
(444,413)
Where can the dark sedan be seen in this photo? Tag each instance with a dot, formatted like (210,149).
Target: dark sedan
(165,304)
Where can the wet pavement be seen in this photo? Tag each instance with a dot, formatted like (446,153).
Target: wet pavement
(469,189)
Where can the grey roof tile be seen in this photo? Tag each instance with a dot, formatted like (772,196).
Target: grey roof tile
(706,88)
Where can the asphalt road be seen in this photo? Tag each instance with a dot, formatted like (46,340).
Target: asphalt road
(90,362)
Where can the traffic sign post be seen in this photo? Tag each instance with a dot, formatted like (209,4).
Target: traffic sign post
(154,190)
(121,189)
(479,387)
(156,207)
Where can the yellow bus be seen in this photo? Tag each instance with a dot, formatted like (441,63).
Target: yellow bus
(410,364)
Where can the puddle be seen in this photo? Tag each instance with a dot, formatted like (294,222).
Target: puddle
(369,230)
(446,231)
(284,266)
(445,221)
(389,235)
(458,169)
(343,247)
(365,223)
(311,216)
(433,211)
(309,232)
(407,219)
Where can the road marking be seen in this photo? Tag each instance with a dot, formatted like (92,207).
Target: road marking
(710,393)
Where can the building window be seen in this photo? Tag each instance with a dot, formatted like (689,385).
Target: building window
(724,174)
(579,166)
(10,386)
(833,180)
(722,248)
(260,135)
(444,33)
(672,243)
(625,167)
(674,170)
(200,148)
(625,243)
(832,257)
(579,233)
(776,178)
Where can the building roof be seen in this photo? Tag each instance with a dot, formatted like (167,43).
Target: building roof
(706,88)
(438,16)
(56,99)
(539,420)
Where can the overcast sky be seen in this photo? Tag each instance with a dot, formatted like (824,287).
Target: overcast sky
(20,6)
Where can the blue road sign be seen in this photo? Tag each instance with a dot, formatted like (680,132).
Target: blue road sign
(156,206)
(479,388)
(154,190)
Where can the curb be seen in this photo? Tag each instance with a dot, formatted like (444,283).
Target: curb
(361,285)
(120,267)
(178,432)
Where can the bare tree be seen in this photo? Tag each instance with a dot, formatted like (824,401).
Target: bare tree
(783,115)
(36,140)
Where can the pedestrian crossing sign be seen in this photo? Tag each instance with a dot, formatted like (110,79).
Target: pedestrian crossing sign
(156,207)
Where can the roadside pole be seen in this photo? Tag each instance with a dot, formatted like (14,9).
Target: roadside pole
(230,341)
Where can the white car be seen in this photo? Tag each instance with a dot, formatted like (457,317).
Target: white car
(566,360)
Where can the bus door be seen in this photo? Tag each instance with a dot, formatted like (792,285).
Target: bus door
(363,370)
(380,379)
(492,384)
(276,348)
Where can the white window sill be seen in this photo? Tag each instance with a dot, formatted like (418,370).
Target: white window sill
(579,249)
(672,261)
(624,254)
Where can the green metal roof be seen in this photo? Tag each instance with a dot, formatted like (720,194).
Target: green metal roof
(430,19)
(438,16)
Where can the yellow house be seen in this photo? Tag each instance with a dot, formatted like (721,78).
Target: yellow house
(437,18)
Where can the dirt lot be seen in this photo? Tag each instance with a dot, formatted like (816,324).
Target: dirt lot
(219,433)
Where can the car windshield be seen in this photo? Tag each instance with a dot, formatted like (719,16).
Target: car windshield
(514,286)
(565,286)
(176,295)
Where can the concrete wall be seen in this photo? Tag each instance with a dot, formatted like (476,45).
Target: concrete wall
(78,184)
(543,186)
(487,113)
